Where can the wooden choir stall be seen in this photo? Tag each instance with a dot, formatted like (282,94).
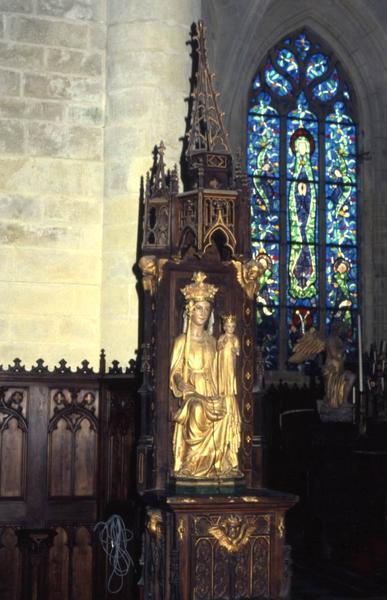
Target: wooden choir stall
(212,531)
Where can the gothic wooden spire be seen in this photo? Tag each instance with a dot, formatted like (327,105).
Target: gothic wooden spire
(207,131)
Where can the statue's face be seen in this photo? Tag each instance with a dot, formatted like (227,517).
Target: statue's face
(253,272)
(229,327)
(201,312)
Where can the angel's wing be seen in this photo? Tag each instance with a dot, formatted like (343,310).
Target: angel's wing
(310,344)
(218,533)
(239,272)
(232,544)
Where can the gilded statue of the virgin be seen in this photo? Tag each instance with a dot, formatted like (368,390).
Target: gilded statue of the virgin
(206,434)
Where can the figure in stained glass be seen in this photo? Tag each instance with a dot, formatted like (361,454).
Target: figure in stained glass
(341,192)
(302,161)
(302,218)
(343,286)
(263,296)
(264,186)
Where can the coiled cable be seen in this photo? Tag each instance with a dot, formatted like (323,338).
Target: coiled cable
(114,538)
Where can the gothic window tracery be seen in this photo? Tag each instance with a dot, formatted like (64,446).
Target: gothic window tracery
(302,164)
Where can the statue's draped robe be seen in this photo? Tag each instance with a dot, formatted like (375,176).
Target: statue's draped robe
(228,350)
(202,433)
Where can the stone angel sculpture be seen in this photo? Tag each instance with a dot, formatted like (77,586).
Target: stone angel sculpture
(337,381)
(206,434)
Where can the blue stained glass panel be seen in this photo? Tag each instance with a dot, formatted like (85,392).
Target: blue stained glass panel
(340,152)
(339,115)
(293,187)
(261,104)
(317,66)
(268,335)
(302,212)
(263,146)
(303,45)
(341,283)
(287,61)
(302,112)
(277,82)
(327,89)
(309,147)
(341,215)
(265,222)
(302,270)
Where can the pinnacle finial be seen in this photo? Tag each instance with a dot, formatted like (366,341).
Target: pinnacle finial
(157,183)
(161,148)
(207,130)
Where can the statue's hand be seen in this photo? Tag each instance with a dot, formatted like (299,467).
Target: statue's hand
(182,386)
(186,388)
(218,408)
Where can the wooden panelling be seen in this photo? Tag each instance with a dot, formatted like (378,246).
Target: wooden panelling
(11,459)
(60,459)
(66,452)
(82,566)
(13,429)
(58,570)
(121,447)
(73,442)
(85,455)
(10,565)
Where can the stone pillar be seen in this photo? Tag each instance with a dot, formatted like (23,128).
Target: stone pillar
(148,69)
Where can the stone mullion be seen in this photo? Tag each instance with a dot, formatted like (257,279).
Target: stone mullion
(283,329)
(320,237)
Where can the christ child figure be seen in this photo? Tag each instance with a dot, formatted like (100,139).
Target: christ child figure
(228,348)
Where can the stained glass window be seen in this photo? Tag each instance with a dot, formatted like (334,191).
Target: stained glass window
(301,160)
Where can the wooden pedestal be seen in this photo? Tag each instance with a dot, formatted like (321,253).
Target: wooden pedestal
(216,547)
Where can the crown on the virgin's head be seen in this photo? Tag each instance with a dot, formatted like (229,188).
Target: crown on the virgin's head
(228,318)
(199,291)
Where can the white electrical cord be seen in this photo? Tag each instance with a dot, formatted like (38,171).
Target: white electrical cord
(114,538)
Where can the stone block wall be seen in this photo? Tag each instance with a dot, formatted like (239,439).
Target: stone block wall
(147,78)
(52,77)
(70,169)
